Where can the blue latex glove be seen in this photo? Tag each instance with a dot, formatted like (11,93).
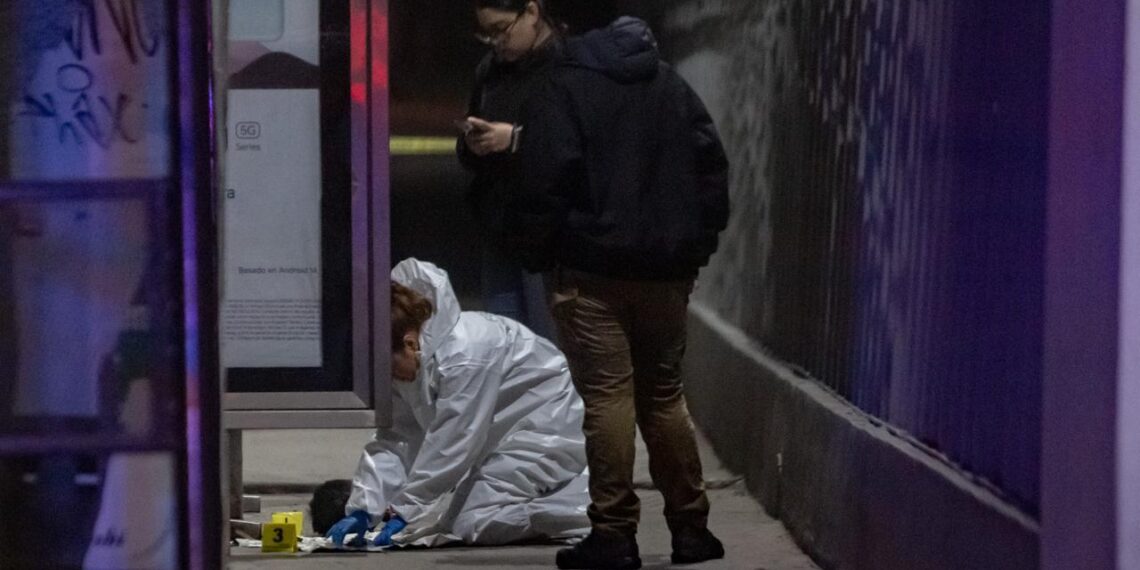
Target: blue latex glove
(356,522)
(395,524)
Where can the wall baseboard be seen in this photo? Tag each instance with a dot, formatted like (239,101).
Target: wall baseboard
(853,492)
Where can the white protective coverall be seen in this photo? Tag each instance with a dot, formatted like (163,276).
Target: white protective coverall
(486,445)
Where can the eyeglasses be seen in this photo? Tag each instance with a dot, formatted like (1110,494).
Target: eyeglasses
(497,36)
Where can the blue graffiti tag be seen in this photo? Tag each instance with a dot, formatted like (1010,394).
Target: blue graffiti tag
(78,111)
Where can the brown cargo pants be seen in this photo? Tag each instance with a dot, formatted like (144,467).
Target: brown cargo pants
(624,341)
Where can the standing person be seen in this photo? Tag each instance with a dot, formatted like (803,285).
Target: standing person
(623,192)
(486,444)
(525,42)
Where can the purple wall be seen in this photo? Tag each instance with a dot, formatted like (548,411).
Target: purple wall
(1128,399)
(889,178)
(1082,396)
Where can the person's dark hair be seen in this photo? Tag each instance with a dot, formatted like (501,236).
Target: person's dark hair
(518,6)
(327,505)
(409,312)
(505,5)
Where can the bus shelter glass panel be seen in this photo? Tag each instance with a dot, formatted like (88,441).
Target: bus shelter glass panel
(91,511)
(286,251)
(91,396)
(80,308)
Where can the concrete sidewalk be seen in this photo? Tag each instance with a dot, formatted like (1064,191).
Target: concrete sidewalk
(286,459)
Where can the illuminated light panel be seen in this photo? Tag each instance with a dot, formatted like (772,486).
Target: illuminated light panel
(410,146)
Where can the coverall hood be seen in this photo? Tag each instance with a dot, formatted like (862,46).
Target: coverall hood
(624,51)
(431,282)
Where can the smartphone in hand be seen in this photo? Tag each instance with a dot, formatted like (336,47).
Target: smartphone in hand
(473,125)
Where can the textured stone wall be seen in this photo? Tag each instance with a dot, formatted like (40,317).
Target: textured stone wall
(888,182)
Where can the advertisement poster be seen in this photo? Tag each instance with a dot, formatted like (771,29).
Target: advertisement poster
(271,236)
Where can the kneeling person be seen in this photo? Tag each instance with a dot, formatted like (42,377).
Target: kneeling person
(486,445)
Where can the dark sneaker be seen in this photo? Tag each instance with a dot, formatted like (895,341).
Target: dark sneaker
(600,552)
(695,545)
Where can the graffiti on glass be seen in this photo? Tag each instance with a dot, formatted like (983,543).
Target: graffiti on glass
(84,109)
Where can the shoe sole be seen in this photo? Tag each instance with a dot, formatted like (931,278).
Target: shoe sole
(679,559)
(625,564)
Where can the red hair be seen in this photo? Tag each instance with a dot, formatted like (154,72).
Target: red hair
(410,311)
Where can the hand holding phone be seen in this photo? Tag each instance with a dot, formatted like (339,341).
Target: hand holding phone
(473,124)
(484,137)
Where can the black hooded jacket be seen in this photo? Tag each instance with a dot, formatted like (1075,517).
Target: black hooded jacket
(622,172)
(500,89)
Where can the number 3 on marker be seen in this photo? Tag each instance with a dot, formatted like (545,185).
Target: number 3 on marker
(278,537)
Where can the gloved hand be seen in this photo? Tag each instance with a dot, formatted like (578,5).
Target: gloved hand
(356,522)
(394,525)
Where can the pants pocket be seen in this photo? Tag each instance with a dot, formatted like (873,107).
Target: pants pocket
(562,297)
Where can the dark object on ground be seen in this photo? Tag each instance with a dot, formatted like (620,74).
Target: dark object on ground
(327,504)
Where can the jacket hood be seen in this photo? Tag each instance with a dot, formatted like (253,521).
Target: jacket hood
(624,51)
(431,282)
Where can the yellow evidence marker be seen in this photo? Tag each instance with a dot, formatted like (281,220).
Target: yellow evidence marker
(278,537)
(295,518)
